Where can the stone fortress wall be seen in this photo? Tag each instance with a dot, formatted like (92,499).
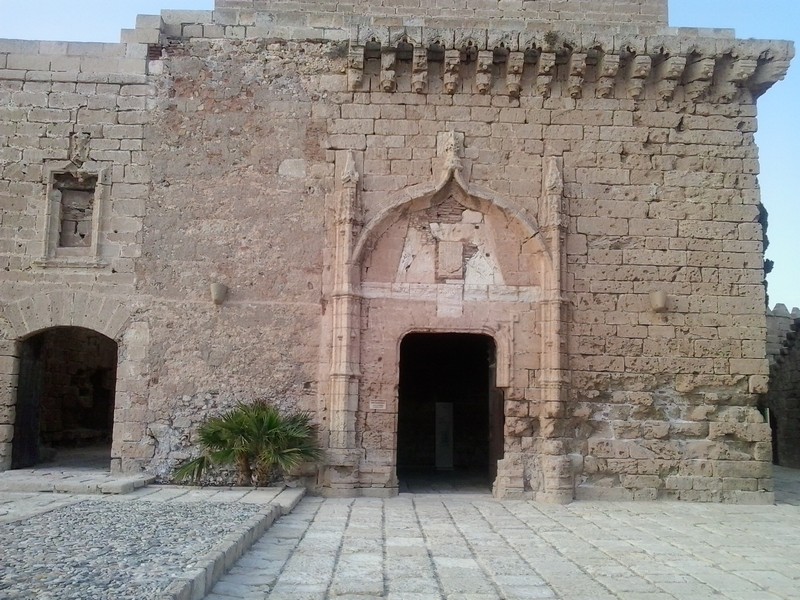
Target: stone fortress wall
(626,13)
(295,156)
(780,323)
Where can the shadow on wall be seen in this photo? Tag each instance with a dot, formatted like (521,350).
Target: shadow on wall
(782,401)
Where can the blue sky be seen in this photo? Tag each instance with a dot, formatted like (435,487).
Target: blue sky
(779,117)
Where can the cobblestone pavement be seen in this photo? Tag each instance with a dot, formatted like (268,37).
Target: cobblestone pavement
(118,547)
(417,547)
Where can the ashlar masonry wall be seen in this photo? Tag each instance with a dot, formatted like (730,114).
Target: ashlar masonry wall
(77,109)
(588,199)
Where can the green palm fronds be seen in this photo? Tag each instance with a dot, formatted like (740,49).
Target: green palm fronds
(258,440)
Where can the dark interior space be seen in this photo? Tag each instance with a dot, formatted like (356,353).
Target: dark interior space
(455,372)
(65,397)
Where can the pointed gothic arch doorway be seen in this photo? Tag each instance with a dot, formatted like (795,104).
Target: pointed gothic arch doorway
(450,414)
(65,399)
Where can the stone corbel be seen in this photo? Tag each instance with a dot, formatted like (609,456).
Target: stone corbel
(544,78)
(514,66)
(388,73)
(668,75)
(419,70)
(452,67)
(739,71)
(767,73)
(607,71)
(355,67)
(743,69)
(640,66)
(698,76)
(483,74)
(577,72)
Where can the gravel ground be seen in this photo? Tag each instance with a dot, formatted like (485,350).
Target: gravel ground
(102,550)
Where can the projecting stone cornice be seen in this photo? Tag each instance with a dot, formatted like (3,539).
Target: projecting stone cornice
(654,67)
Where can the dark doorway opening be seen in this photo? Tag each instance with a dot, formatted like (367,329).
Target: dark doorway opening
(450,415)
(65,399)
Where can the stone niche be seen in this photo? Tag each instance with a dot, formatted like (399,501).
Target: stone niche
(77,208)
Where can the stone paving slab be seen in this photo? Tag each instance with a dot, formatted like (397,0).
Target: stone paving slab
(71,481)
(433,546)
(430,546)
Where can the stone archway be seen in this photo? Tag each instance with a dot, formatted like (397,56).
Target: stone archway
(23,319)
(65,398)
(449,262)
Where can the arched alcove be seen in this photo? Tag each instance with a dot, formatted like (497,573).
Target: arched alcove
(64,407)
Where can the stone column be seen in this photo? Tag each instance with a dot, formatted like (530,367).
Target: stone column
(345,374)
(9,371)
(555,465)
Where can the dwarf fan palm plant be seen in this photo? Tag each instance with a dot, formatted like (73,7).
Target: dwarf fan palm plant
(258,440)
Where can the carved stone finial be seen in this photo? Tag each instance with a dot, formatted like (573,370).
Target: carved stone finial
(554,179)
(79,148)
(350,172)
(453,149)
(553,192)
(450,151)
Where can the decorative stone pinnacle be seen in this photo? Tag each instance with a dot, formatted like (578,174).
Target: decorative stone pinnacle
(350,172)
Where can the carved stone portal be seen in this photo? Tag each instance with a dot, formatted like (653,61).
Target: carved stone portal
(453,260)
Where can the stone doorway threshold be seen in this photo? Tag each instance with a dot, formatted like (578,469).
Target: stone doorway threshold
(787,485)
(73,471)
(430,481)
